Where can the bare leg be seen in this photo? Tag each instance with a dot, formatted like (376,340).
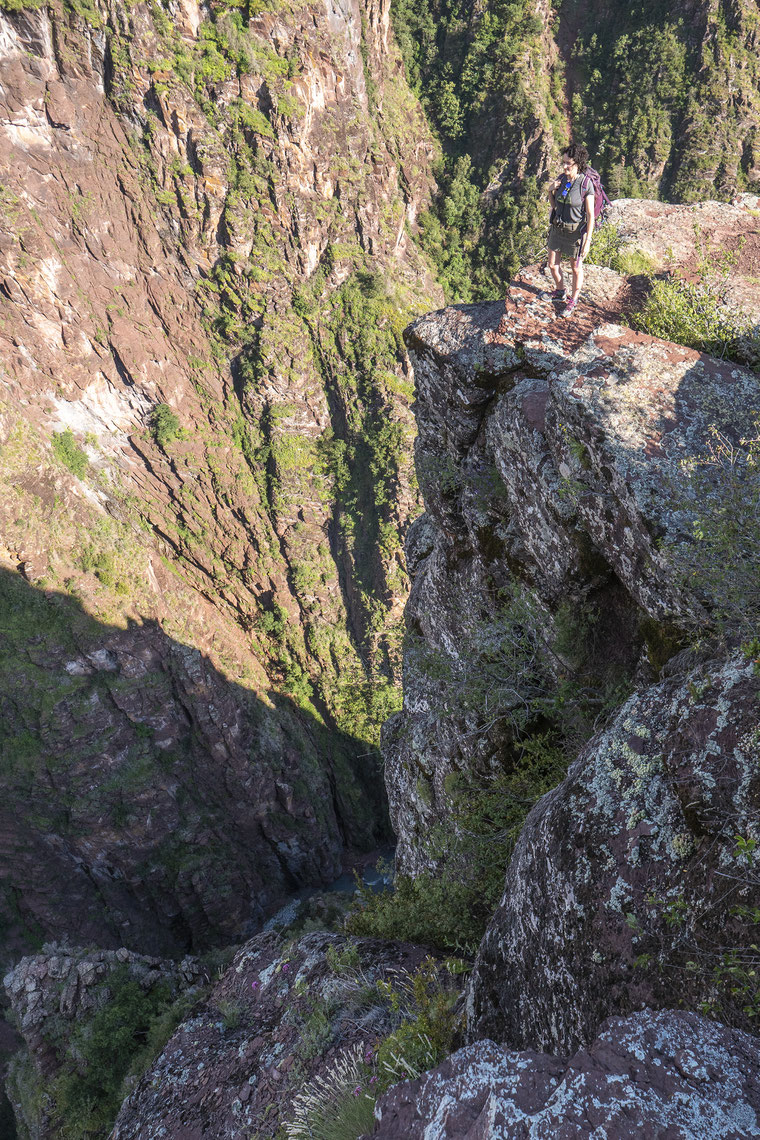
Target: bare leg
(553,263)
(577,277)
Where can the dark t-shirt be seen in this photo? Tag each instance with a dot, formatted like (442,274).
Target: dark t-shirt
(569,207)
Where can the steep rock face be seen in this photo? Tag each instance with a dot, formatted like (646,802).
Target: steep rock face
(549,454)
(627,887)
(279,1019)
(194,213)
(150,802)
(644,1077)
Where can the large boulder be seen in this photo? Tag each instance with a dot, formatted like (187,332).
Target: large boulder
(645,1077)
(550,457)
(632,883)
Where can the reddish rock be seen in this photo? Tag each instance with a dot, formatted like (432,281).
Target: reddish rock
(651,1076)
(117,213)
(550,457)
(627,887)
(279,1018)
(681,236)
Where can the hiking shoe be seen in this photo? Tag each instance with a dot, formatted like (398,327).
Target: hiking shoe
(557,295)
(569,308)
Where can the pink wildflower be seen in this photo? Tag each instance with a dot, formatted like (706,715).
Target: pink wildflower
(357,1090)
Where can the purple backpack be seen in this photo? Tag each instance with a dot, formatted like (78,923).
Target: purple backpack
(592,180)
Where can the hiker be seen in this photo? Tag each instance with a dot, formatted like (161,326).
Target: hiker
(571,223)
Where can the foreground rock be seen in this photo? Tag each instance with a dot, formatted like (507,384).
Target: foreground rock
(627,887)
(645,1077)
(278,1019)
(549,454)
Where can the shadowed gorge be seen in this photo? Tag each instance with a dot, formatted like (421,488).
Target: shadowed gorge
(150,802)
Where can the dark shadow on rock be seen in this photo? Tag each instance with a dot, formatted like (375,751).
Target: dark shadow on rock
(149,801)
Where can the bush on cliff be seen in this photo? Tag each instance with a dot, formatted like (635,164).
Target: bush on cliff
(122,1037)
(692,314)
(450,910)
(70,454)
(164,425)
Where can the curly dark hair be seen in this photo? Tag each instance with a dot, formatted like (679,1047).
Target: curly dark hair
(579,155)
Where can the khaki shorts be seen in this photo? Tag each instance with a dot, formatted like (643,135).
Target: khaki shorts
(565,242)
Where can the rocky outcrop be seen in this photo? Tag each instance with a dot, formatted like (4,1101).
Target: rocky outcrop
(281,1018)
(644,1077)
(52,991)
(630,885)
(719,239)
(549,454)
(62,1001)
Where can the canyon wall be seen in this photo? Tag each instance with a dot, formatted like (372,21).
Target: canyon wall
(204,418)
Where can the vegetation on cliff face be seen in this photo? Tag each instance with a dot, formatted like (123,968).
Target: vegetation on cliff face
(666,98)
(249,482)
(491,87)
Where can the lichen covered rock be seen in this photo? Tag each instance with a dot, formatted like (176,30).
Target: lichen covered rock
(644,1077)
(280,1017)
(630,884)
(550,457)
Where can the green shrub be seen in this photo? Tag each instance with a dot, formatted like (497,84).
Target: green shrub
(164,425)
(426,1002)
(66,449)
(99,562)
(609,248)
(691,314)
(450,910)
(88,1091)
(419,1009)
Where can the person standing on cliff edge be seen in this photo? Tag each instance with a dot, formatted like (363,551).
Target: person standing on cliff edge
(571,225)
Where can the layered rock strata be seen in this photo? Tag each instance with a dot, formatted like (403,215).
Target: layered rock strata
(195,208)
(177,809)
